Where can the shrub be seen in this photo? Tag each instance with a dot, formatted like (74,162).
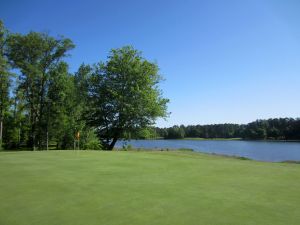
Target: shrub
(90,141)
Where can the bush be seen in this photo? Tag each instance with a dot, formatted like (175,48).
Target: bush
(90,141)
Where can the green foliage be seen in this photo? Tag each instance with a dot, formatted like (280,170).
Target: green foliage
(49,104)
(124,95)
(144,134)
(176,132)
(5,82)
(119,98)
(274,129)
(90,141)
(37,56)
(140,133)
(62,114)
(186,149)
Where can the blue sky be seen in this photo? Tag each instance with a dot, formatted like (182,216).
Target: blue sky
(223,61)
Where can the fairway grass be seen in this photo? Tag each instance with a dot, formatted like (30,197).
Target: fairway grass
(145,188)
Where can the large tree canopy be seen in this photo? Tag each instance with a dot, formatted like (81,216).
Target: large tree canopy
(124,95)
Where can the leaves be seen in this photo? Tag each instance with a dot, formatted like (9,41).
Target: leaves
(38,56)
(125,94)
(51,105)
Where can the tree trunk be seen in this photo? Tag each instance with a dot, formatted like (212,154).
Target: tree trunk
(47,141)
(112,144)
(1,134)
(33,139)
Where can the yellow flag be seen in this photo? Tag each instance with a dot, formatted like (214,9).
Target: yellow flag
(77,135)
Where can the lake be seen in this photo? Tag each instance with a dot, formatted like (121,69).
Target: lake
(272,151)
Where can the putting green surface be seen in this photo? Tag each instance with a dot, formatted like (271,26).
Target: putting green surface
(145,188)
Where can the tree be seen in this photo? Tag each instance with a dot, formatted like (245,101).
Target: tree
(60,103)
(68,103)
(124,95)
(36,55)
(82,81)
(16,122)
(176,132)
(5,81)
(81,107)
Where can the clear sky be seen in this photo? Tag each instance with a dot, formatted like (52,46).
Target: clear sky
(223,61)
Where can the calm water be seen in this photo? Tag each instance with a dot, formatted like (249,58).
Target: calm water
(257,150)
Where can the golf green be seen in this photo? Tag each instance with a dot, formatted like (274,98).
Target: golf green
(145,188)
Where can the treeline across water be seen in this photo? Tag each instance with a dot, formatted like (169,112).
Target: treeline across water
(273,129)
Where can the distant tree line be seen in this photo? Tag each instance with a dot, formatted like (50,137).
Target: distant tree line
(273,129)
(44,106)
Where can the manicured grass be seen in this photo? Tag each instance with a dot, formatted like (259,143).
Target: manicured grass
(145,188)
